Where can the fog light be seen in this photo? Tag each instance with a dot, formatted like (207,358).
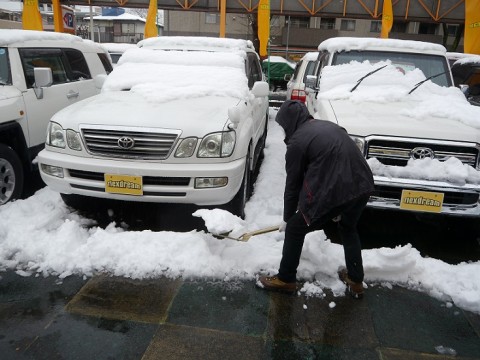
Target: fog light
(202,183)
(52,170)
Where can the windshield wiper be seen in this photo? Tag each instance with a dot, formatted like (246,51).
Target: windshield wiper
(424,81)
(365,76)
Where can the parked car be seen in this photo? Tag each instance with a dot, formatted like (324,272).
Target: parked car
(384,127)
(466,72)
(296,82)
(40,74)
(276,68)
(116,50)
(179,120)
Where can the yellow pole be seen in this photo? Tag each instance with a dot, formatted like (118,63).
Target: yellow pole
(57,16)
(223,17)
(472,27)
(387,18)
(263,25)
(31,18)
(151,29)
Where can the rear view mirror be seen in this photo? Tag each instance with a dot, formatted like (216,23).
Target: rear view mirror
(43,78)
(260,89)
(311,83)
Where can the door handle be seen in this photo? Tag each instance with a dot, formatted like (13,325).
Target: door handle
(72,94)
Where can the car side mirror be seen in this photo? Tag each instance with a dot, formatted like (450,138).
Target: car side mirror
(99,80)
(311,83)
(464,89)
(287,77)
(43,78)
(260,89)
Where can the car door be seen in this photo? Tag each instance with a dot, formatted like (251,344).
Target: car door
(259,105)
(64,90)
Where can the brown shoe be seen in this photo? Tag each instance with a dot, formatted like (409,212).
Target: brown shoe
(274,283)
(353,288)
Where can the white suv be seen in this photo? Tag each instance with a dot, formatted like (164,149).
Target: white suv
(397,126)
(179,120)
(40,74)
(296,82)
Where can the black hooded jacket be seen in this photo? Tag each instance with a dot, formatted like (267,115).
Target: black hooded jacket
(325,169)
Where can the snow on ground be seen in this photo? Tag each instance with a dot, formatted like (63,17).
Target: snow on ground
(40,236)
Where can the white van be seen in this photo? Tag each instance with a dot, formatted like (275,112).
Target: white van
(40,74)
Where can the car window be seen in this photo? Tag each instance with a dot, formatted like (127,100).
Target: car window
(52,58)
(78,65)
(107,65)
(297,69)
(254,70)
(310,69)
(5,78)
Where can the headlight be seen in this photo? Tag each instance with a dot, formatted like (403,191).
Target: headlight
(186,147)
(217,145)
(360,142)
(55,135)
(73,140)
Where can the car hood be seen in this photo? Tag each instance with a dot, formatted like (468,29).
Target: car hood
(193,116)
(389,119)
(9,92)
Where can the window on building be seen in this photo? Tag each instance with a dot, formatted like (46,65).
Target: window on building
(298,22)
(327,23)
(375,26)
(212,18)
(452,29)
(427,28)
(128,28)
(348,25)
(399,27)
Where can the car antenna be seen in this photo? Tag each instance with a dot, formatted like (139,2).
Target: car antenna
(365,76)
(423,81)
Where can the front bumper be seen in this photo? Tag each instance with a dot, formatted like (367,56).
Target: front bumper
(162,182)
(459,200)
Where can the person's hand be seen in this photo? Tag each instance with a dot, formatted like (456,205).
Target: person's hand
(282,226)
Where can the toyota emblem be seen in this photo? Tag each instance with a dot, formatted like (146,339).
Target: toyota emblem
(125,142)
(422,153)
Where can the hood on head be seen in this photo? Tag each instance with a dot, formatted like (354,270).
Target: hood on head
(291,115)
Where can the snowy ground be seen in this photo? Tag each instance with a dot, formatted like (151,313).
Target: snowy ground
(40,236)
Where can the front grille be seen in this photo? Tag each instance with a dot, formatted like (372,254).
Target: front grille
(394,152)
(147,180)
(450,197)
(151,144)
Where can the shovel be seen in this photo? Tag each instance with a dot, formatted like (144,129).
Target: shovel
(248,235)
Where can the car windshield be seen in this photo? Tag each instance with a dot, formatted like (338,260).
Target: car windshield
(5,78)
(429,64)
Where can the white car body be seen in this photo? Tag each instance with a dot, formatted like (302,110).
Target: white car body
(386,128)
(159,116)
(26,108)
(296,84)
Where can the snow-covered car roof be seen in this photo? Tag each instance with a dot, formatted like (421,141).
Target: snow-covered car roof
(196,43)
(472,59)
(118,47)
(338,44)
(280,59)
(161,76)
(14,37)
(309,56)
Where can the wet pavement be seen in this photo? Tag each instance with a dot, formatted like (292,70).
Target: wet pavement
(116,318)
(105,317)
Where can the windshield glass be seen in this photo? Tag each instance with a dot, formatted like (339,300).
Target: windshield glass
(429,64)
(5,78)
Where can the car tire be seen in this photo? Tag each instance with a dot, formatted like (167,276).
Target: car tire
(237,205)
(11,175)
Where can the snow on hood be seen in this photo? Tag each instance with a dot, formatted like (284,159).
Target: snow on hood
(390,87)
(121,108)
(162,76)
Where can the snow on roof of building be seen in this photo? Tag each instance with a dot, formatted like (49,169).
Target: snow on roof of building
(124,16)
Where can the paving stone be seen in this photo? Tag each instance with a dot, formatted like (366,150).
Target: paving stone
(397,354)
(227,306)
(311,319)
(125,299)
(414,321)
(175,342)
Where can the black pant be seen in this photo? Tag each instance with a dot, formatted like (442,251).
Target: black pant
(297,228)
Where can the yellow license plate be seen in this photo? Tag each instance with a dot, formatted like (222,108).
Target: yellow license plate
(123,184)
(421,201)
